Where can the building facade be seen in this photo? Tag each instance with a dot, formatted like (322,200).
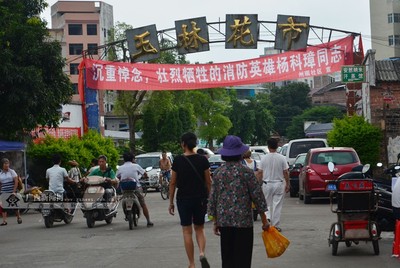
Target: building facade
(385,28)
(381,102)
(82,26)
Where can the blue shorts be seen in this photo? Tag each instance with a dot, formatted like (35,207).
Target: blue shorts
(192,211)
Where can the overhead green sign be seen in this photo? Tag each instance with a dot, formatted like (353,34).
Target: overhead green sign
(353,74)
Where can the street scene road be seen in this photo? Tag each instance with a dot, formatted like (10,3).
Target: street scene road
(31,244)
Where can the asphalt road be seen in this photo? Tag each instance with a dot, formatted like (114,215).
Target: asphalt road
(30,244)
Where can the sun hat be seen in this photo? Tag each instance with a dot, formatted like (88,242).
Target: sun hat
(233,146)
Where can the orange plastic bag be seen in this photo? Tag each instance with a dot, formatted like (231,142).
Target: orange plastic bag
(275,243)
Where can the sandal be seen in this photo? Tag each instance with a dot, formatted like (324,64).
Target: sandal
(3,223)
(19,220)
(204,262)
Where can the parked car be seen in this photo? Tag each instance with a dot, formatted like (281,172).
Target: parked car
(152,160)
(215,162)
(299,146)
(315,171)
(283,149)
(257,157)
(259,149)
(294,173)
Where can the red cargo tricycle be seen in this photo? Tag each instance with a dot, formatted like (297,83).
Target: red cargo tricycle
(356,204)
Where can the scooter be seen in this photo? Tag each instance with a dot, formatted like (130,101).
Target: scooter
(130,203)
(95,206)
(54,209)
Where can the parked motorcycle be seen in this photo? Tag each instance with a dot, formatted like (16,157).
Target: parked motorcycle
(54,209)
(383,189)
(95,205)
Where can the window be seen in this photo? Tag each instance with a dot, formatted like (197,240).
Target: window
(75,88)
(75,49)
(91,29)
(92,49)
(73,68)
(303,147)
(75,29)
(394,40)
(338,158)
(394,18)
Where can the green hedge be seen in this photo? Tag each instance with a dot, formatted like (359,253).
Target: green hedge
(83,150)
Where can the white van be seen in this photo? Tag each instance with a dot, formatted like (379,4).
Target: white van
(259,149)
(299,146)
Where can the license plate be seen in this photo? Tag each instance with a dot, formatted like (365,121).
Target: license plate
(45,212)
(331,187)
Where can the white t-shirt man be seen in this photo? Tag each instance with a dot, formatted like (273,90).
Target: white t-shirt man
(56,176)
(396,194)
(273,165)
(130,171)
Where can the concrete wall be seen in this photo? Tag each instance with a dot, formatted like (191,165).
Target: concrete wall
(381,29)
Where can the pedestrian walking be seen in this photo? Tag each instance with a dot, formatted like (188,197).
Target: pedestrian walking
(9,184)
(275,173)
(234,188)
(191,176)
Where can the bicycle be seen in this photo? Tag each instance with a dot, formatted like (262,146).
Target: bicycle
(164,188)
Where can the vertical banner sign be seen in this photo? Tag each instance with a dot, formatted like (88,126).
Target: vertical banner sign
(241,31)
(292,32)
(315,61)
(192,35)
(143,43)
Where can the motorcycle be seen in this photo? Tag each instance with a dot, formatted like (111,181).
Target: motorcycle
(95,206)
(130,202)
(54,209)
(383,189)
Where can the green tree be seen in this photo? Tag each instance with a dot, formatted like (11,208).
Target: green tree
(83,150)
(33,84)
(287,102)
(357,133)
(211,109)
(321,114)
(150,134)
(251,120)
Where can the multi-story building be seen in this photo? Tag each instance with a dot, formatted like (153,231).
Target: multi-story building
(80,25)
(385,28)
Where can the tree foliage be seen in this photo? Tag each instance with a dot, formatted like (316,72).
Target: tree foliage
(252,120)
(83,150)
(287,102)
(321,114)
(357,133)
(211,109)
(33,85)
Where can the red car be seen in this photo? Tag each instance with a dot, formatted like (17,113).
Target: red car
(315,171)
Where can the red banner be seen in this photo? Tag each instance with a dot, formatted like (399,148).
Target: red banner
(316,60)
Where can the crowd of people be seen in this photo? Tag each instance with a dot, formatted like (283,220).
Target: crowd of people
(227,198)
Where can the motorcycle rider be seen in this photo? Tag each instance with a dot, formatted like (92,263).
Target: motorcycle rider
(56,176)
(132,171)
(108,174)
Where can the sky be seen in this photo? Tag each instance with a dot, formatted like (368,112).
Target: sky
(349,15)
